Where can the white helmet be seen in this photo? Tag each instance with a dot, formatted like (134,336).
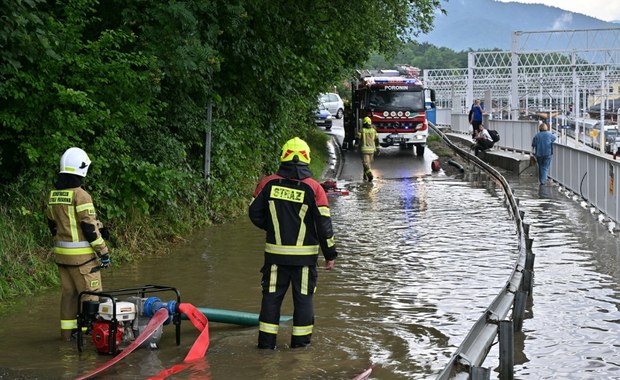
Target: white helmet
(74,161)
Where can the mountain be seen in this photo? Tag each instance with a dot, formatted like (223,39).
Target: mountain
(488,24)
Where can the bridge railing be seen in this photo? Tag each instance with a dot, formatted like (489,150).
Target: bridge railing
(590,175)
(514,135)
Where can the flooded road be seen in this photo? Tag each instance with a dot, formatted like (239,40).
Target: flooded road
(421,257)
(408,249)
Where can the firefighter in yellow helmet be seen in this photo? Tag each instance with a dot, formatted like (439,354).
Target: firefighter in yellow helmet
(79,247)
(369,144)
(293,209)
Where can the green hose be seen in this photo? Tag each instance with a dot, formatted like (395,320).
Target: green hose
(456,165)
(233,317)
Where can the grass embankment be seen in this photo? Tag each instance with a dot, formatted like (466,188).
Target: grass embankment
(26,261)
(444,154)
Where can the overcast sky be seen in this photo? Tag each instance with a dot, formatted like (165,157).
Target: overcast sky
(607,10)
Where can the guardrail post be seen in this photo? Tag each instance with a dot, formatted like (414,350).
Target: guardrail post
(506,350)
(528,244)
(518,310)
(526,283)
(529,261)
(480,373)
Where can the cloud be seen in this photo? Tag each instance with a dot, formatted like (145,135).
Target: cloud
(563,22)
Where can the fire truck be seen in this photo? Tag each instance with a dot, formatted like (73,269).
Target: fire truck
(396,101)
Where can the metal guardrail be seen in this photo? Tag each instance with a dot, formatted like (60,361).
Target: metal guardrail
(466,362)
(516,135)
(590,175)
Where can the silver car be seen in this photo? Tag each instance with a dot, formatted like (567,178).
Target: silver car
(333,103)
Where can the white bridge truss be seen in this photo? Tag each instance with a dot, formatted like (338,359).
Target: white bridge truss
(545,71)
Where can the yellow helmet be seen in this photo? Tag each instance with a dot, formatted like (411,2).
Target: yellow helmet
(367,120)
(295,150)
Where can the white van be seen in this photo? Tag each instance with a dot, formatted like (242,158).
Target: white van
(333,103)
(612,138)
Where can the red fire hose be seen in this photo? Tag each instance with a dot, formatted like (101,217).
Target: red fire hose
(158,319)
(197,351)
(364,375)
(200,346)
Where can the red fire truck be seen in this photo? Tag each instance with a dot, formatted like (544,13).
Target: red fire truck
(396,102)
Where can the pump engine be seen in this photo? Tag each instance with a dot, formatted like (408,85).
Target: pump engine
(112,322)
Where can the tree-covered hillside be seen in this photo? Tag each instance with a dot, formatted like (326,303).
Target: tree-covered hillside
(422,55)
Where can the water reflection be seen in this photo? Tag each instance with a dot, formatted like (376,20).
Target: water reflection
(424,247)
(545,191)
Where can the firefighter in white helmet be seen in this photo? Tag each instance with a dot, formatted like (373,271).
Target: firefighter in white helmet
(293,209)
(79,246)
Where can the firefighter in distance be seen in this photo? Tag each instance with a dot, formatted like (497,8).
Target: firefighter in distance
(369,145)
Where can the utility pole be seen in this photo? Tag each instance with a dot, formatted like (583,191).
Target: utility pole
(602,109)
(207,166)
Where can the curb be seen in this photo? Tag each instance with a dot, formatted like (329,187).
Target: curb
(334,166)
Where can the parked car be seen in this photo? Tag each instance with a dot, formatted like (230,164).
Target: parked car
(323,118)
(333,103)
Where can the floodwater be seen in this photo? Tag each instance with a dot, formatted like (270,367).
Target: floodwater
(572,325)
(420,260)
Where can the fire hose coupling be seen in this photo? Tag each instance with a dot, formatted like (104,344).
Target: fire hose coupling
(172,308)
(153,304)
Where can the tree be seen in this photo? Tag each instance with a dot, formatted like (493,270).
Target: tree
(130,81)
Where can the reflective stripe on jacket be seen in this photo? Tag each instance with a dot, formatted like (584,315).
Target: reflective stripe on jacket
(68,209)
(295,214)
(368,140)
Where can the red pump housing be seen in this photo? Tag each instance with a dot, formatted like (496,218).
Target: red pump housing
(101,336)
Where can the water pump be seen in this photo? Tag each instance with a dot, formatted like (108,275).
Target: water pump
(112,322)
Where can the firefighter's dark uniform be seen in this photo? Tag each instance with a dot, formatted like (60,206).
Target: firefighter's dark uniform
(294,211)
(77,243)
(350,124)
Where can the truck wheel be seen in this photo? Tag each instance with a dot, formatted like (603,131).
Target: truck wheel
(419,150)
